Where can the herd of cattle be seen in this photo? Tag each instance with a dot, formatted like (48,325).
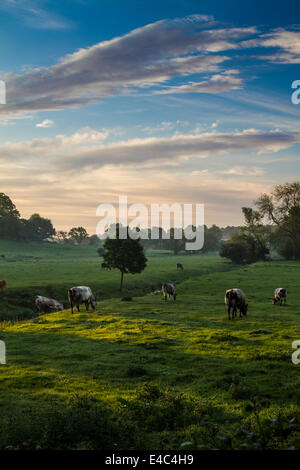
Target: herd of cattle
(234,298)
(77,296)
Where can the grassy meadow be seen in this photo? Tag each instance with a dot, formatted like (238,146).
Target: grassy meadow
(148,374)
(50,269)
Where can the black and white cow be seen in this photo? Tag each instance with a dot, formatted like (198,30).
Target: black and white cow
(280,294)
(81,295)
(235,299)
(45,305)
(168,290)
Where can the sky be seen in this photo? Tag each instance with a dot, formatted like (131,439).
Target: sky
(161,101)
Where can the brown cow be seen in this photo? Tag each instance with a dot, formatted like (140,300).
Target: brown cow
(3,285)
(235,299)
(179,266)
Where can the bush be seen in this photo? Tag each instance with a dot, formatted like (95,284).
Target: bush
(84,423)
(243,249)
(286,248)
(157,409)
(237,252)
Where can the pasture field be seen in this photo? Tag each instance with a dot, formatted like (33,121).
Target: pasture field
(149,374)
(50,269)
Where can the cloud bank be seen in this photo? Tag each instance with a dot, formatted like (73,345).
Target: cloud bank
(148,58)
(85,148)
(67,176)
(145,57)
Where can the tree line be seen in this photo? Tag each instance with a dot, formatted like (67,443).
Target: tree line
(36,228)
(274,224)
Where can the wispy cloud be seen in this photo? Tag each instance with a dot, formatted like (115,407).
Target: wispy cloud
(244,171)
(286,45)
(215,84)
(184,55)
(174,169)
(146,57)
(85,149)
(46,123)
(76,204)
(35,14)
(178,148)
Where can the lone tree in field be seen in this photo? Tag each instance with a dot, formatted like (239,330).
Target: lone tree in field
(282,208)
(127,255)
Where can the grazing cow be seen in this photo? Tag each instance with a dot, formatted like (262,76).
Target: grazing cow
(235,299)
(168,290)
(179,266)
(105,266)
(45,305)
(81,295)
(3,285)
(3,256)
(280,295)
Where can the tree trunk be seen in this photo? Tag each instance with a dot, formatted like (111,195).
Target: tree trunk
(121,284)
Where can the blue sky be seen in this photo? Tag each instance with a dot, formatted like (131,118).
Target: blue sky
(165,101)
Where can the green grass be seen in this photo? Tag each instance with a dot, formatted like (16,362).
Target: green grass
(162,373)
(49,269)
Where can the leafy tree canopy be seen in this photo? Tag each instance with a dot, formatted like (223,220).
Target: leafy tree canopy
(7,207)
(78,234)
(127,255)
